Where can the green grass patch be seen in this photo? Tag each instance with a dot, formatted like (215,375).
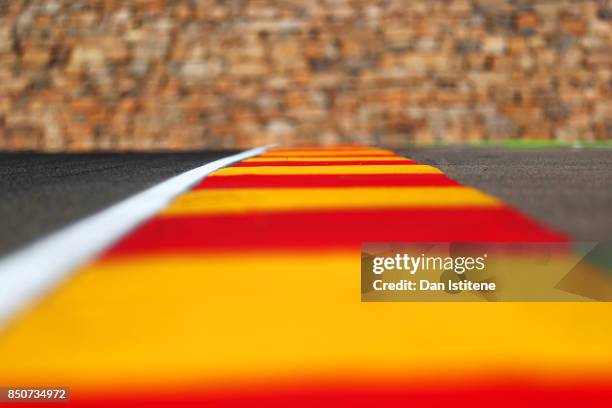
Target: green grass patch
(532,144)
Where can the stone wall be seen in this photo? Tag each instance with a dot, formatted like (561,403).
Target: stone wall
(153,74)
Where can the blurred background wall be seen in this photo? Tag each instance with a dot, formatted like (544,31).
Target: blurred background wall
(153,74)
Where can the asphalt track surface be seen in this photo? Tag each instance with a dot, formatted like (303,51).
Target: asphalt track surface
(568,189)
(40,193)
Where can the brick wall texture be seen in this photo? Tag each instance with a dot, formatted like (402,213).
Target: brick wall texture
(153,74)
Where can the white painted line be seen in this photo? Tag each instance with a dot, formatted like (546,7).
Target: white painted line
(41,266)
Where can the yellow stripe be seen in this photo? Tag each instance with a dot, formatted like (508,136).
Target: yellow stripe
(322,170)
(262,315)
(218,201)
(329,147)
(324,159)
(326,152)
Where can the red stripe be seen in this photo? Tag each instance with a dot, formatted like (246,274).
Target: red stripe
(341,180)
(329,229)
(511,394)
(326,163)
